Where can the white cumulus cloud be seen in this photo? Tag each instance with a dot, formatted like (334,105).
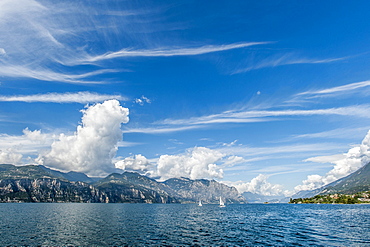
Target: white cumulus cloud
(92,147)
(259,185)
(233,160)
(35,135)
(30,143)
(10,156)
(142,100)
(138,163)
(350,162)
(196,163)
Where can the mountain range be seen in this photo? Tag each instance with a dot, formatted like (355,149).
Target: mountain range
(258,198)
(35,183)
(358,181)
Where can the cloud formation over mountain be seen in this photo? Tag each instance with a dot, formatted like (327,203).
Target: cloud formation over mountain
(137,163)
(195,163)
(92,147)
(9,156)
(199,162)
(258,185)
(351,161)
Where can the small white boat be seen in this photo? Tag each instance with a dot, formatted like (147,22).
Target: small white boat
(222,204)
(200,203)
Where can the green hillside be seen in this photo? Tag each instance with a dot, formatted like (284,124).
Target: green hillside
(356,182)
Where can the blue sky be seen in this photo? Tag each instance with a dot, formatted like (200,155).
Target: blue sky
(259,94)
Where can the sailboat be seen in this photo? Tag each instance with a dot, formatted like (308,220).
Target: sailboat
(222,204)
(200,203)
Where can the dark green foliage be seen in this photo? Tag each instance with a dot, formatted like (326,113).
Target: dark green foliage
(360,197)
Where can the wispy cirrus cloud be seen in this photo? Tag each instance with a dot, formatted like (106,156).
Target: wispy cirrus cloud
(276,151)
(43,74)
(78,97)
(245,116)
(160,129)
(360,89)
(285,59)
(170,51)
(241,116)
(335,91)
(40,40)
(335,134)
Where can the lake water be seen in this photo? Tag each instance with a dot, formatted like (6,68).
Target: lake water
(184,224)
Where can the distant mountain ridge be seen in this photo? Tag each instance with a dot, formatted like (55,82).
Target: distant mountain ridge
(209,191)
(33,183)
(134,188)
(357,181)
(258,198)
(71,176)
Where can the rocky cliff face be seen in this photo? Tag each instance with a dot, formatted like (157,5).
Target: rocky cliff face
(134,188)
(48,190)
(40,184)
(356,182)
(209,191)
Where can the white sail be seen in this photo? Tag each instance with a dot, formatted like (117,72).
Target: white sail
(222,204)
(200,203)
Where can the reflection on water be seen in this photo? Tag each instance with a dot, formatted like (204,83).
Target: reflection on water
(187,224)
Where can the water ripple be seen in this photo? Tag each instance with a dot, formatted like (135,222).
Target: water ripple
(176,224)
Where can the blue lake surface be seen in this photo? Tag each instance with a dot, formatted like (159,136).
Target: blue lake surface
(71,224)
